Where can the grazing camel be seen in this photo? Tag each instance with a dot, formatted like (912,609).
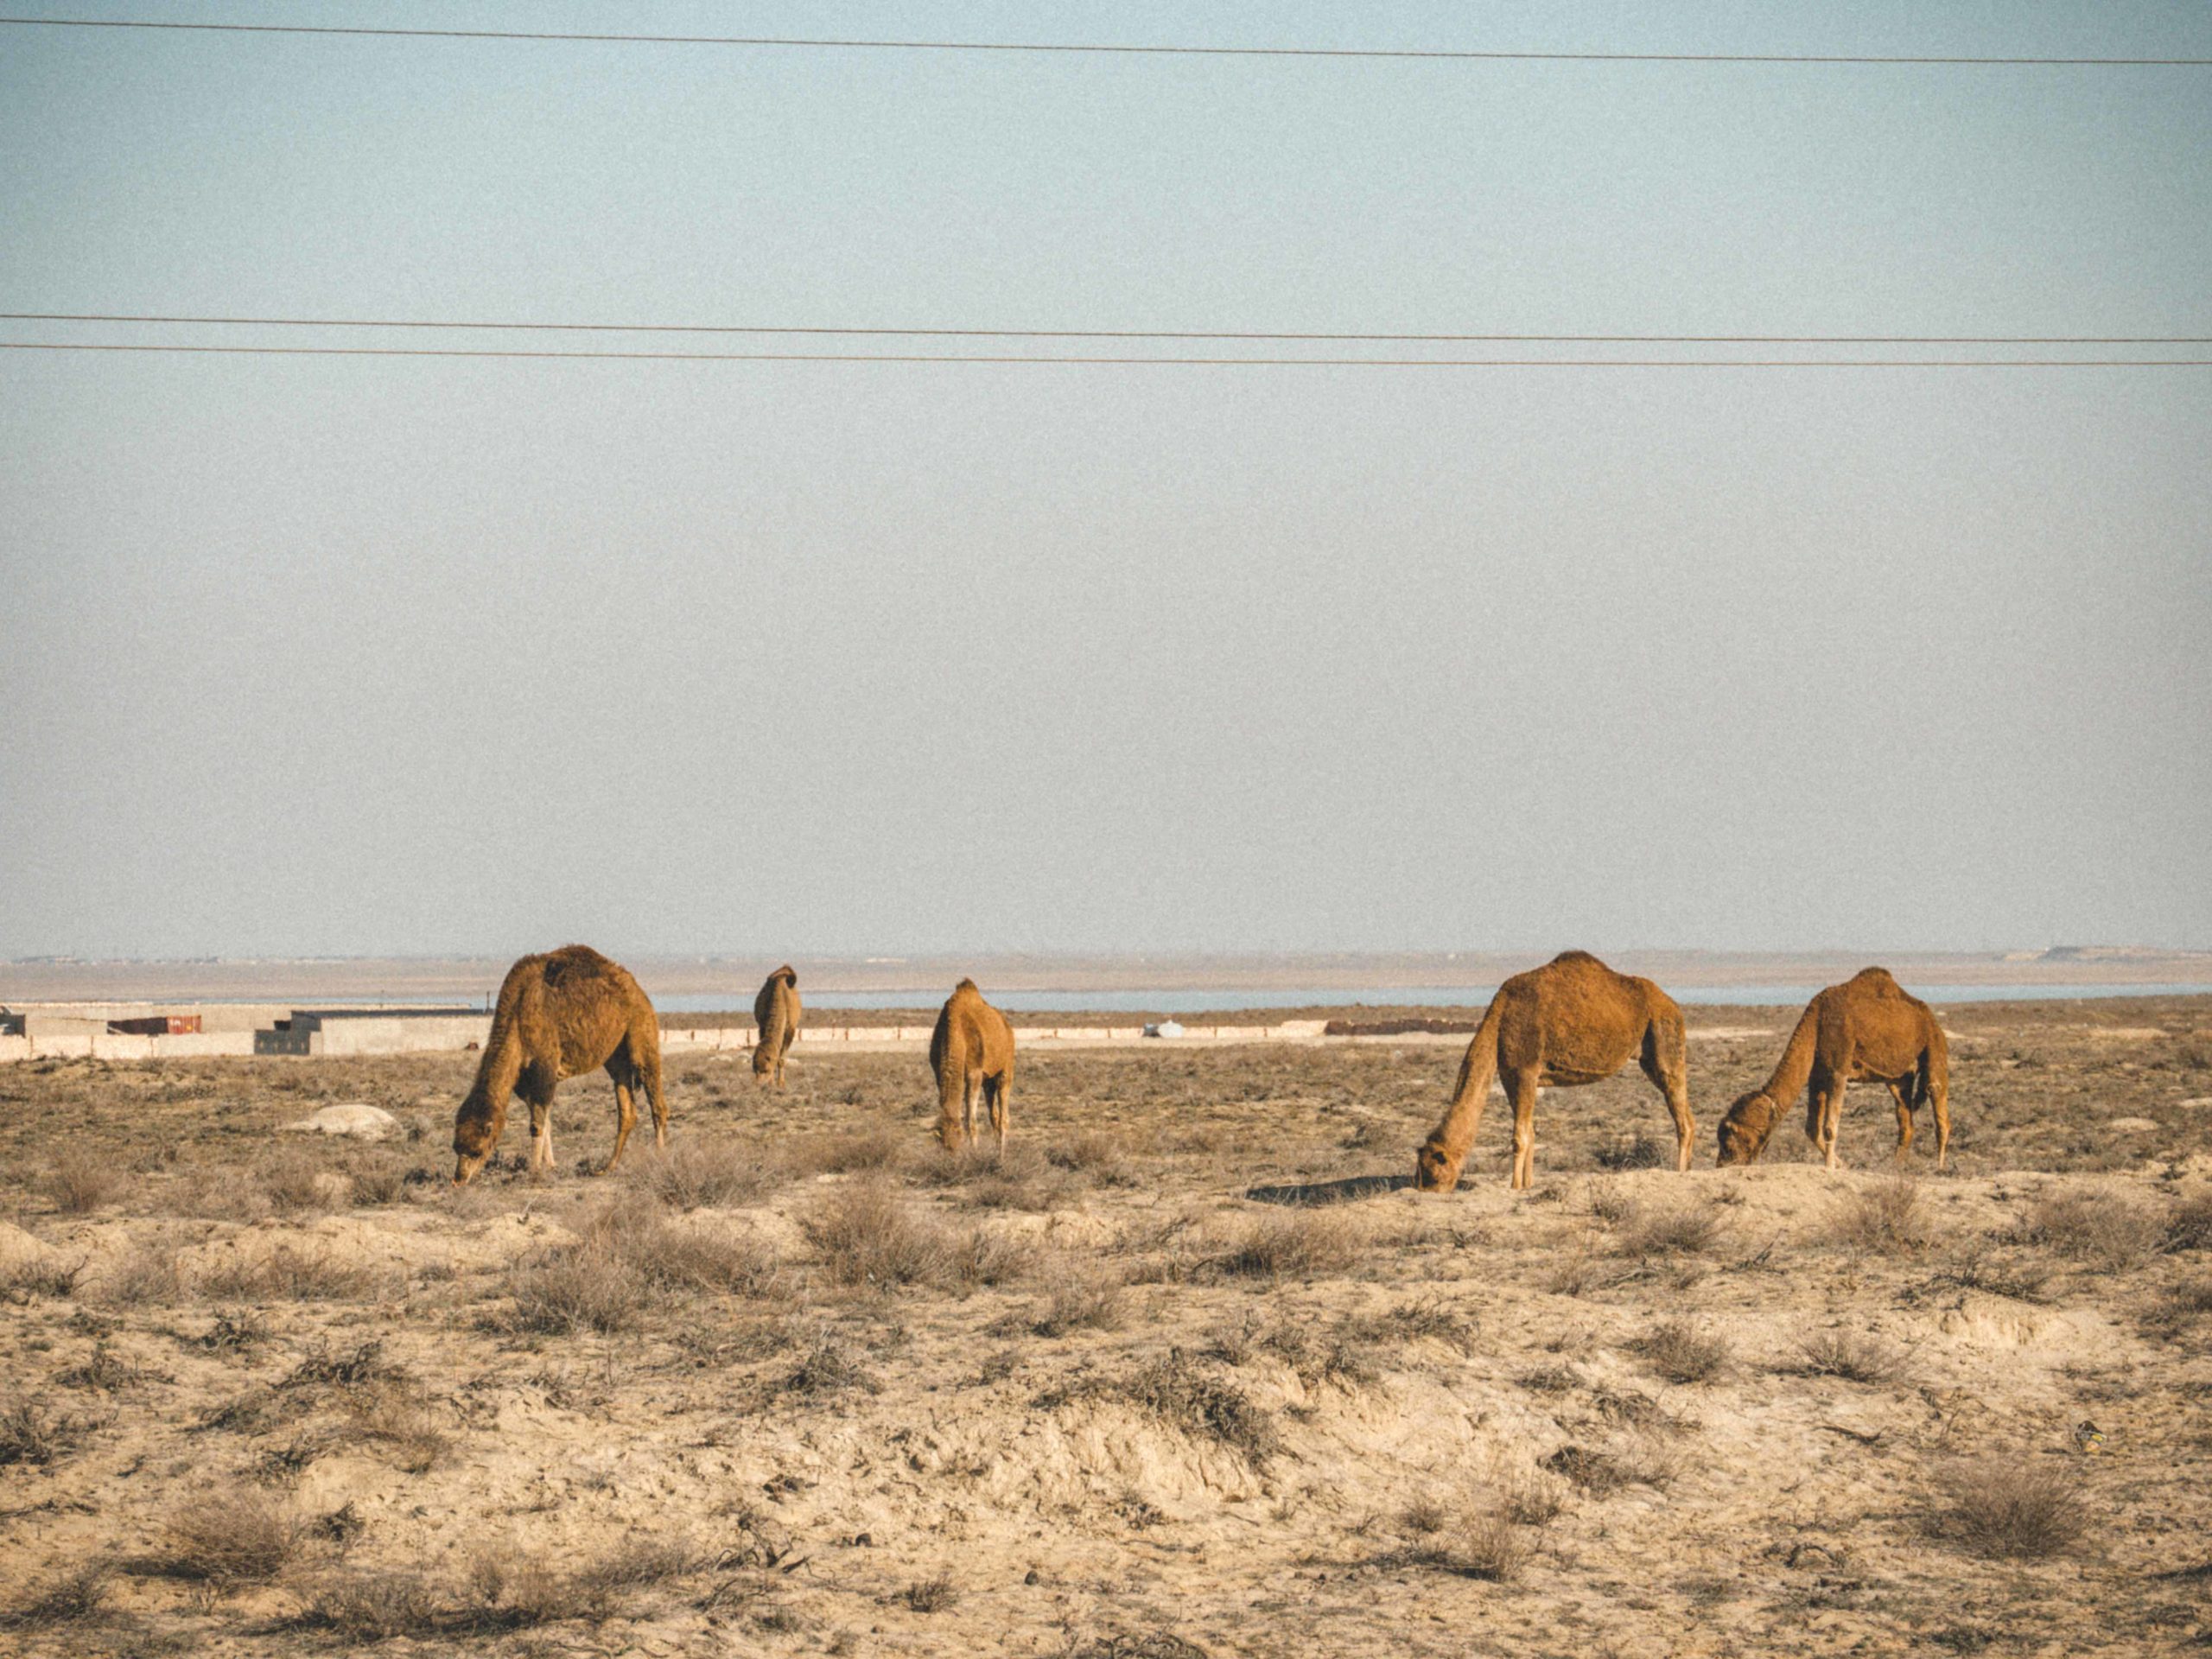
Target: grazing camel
(1868,1027)
(559,1015)
(1572,1021)
(775,1014)
(971,1051)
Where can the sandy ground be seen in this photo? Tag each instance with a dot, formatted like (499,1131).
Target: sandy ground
(1187,1372)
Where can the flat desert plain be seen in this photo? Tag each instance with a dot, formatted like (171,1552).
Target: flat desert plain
(1186,1372)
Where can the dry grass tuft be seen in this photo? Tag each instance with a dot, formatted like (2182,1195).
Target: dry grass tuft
(1680,1353)
(1105,1158)
(828,1367)
(80,1182)
(2190,1227)
(364,1607)
(859,1152)
(1478,1546)
(1090,1300)
(1188,1395)
(1530,1499)
(869,1235)
(394,1416)
(628,1254)
(695,1174)
(584,1287)
(78,1596)
(1414,1322)
(1885,1215)
(935,1594)
(510,1590)
(1854,1356)
(2100,1229)
(2011,1509)
(238,1536)
(1599,1472)
(1674,1230)
(50,1275)
(1293,1244)
(291,1276)
(29,1434)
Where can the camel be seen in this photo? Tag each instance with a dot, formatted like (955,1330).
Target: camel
(1572,1021)
(775,1014)
(971,1051)
(558,1016)
(1868,1027)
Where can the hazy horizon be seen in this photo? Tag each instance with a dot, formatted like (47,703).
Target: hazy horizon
(360,658)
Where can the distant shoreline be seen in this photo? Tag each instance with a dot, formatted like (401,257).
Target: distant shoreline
(926,978)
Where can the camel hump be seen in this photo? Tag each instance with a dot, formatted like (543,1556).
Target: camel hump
(964,985)
(1876,979)
(1578,955)
(572,960)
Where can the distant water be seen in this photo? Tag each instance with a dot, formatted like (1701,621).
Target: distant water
(1445,996)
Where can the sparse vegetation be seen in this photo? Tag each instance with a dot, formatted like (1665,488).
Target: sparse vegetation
(1295,1244)
(1681,1353)
(2100,1229)
(79,1182)
(2013,1508)
(1886,1214)
(1669,1229)
(235,1536)
(1855,1356)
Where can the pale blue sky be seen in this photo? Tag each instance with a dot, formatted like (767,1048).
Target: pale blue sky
(349,656)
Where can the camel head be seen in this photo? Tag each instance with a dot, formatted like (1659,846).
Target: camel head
(475,1132)
(1433,1171)
(1744,1130)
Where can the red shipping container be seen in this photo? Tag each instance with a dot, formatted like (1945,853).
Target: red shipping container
(155,1025)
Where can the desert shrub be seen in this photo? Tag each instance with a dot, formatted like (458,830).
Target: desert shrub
(852,1153)
(1082,1301)
(1425,1514)
(1680,1353)
(2190,1227)
(1413,1322)
(2011,1508)
(1292,1244)
(932,1595)
(983,1257)
(1854,1356)
(585,1287)
(1683,1229)
(363,1607)
(378,1177)
(512,1590)
(1477,1546)
(1599,1472)
(148,1276)
(1976,1267)
(49,1274)
(1189,1395)
(80,1182)
(2100,1229)
(695,1173)
(1530,1499)
(394,1416)
(828,1367)
(30,1434)
(1638,1151)
(291,1276)
(78,1596)
(1552,1379)
(1886,1214)
(296,1181)
(1104,1158)
(868,1235)
(234,1536)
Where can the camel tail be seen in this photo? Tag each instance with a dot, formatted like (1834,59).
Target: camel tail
(1934,1069)
(1795,1069)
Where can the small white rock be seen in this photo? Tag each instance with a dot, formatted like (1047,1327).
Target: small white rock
(2133,1125)
(353,1117)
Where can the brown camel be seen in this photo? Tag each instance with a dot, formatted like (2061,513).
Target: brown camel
(1868,1027)
(558,1016)
(971,1051)
(775,1015)
(1572,1021)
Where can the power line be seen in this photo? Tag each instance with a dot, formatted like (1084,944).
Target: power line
(1117,333)
(1165,362)
(1103,49)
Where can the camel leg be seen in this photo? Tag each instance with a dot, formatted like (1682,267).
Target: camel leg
(1668,1071)
(649,1075)
(971,1090)
(1827,1112)
(626,1114)
(1522,1088)
(1897,1092)
(996,1091)
(538,1092)
(1939,1098)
